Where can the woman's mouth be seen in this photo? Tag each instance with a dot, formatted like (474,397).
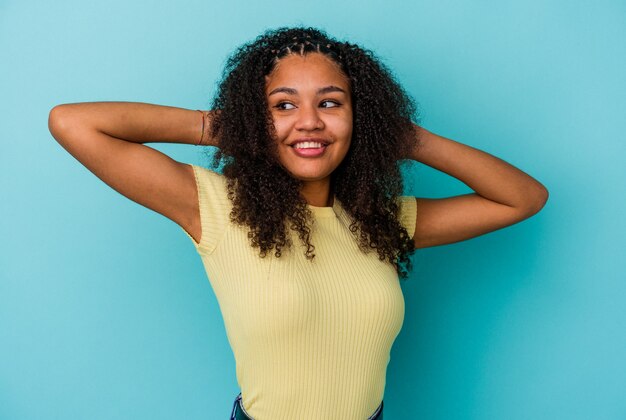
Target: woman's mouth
(309,148)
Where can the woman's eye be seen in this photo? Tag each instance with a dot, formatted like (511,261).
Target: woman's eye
(284,105)
(333,104)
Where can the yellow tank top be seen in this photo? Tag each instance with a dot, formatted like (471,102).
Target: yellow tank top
(311,339)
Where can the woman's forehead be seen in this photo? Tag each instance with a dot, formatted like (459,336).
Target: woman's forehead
(312,68)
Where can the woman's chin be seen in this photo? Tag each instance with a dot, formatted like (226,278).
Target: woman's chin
(310,178)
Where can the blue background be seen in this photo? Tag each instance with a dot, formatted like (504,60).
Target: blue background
(105,309)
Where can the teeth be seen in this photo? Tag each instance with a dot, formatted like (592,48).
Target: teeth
(308,145)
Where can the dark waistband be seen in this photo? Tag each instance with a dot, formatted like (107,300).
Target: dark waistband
(239,413)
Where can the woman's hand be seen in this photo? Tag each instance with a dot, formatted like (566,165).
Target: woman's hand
(504,195)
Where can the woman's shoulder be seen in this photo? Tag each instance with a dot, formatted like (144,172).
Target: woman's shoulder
(407,212)
(206,171)
(213,208)
(206,176)
(212,187)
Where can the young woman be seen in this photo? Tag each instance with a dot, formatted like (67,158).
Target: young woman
(304,236)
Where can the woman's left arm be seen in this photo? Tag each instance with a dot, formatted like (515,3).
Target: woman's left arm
(504,195)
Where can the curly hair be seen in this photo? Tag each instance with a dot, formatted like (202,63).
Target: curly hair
(265,197)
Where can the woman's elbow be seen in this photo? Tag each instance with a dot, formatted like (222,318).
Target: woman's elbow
(58,121)
(538,200)
(54,119)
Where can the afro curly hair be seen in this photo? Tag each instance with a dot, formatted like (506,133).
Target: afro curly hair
(265,197)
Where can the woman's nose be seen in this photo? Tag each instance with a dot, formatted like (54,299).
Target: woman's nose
(309,118)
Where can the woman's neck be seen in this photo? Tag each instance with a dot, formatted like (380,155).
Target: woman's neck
(317,193)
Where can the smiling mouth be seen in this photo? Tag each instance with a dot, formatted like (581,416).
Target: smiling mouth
(308,145)
(309,149)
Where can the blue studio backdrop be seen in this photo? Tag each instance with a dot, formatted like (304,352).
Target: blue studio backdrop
(105,308)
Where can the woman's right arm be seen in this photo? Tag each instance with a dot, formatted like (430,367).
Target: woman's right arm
(107,138)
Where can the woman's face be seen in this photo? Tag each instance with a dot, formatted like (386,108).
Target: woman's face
(310,103)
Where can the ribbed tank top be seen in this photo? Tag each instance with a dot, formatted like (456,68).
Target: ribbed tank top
(311,339)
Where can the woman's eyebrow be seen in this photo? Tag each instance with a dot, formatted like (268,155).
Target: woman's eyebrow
(321,91)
